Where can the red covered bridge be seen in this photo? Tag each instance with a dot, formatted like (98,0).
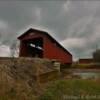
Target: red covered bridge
(36,43)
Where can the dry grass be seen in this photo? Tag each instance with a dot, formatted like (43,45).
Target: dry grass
(12,89)
(18,77)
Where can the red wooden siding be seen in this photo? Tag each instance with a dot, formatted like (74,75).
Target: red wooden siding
(52,51)
(86,61)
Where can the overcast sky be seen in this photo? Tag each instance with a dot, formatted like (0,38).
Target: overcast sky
(73,23)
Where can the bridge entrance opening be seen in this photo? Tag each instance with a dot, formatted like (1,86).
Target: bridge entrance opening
(35,47)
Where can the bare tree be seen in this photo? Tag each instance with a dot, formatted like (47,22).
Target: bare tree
(96,56)
(14,49)
(14,53)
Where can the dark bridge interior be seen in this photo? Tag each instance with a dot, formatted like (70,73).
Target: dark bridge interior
(35,47)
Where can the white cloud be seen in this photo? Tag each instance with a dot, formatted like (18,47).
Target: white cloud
(66,5)
(74,42)
(96,34)
(4,51)
(36,14)
(80,26)
(3,24)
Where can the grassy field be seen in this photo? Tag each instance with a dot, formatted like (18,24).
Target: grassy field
(72,90)
(92,65)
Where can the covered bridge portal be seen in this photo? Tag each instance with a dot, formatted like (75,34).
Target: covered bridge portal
(34,47)
(36,43)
